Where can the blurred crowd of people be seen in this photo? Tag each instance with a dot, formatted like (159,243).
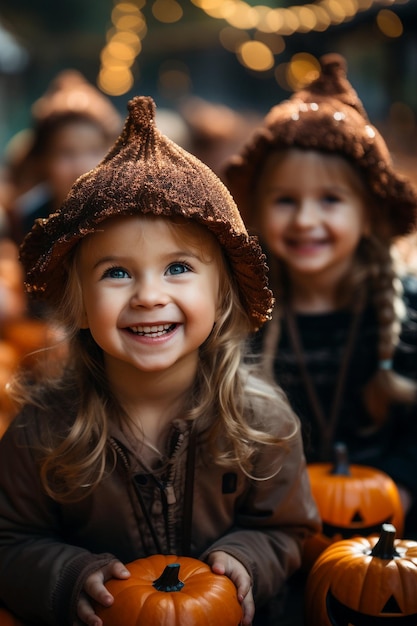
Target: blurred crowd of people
(72,127)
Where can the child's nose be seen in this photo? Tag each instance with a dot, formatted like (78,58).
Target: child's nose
(149,292)
(306,214)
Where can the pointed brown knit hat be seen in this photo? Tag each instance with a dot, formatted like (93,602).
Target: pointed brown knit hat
(146,173)
(327,116)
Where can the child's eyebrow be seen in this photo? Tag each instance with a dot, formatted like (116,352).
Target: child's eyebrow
(168,257)
(184,253)
(108,259)
(276,187)
(283,188)
(278,192)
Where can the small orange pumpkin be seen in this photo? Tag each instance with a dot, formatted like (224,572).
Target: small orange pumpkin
(155,596)
(364,582)
(8,619)
(41,346)
(352,500)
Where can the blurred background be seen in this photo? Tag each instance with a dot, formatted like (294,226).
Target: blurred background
(240,54)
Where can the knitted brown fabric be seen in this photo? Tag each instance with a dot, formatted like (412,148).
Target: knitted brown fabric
(146,173)
(326,116)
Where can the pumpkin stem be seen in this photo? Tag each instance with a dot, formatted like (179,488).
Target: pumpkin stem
(384,548)
(168,580)
(341,462)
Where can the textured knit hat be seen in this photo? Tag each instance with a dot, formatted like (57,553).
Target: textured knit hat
(70,94)
(327,116)
(145,173)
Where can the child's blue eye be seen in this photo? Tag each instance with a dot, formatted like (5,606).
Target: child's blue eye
(177,268)
(115,272)
(285,200)
(331,198)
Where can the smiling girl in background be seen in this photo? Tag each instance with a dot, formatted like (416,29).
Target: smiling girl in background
(316,183)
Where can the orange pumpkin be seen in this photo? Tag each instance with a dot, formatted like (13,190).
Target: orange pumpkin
(364,582)
(8,619)
(40,346)
(155,595)
(352,500)
(27,335)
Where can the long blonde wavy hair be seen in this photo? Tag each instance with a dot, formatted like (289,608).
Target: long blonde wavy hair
(233,408)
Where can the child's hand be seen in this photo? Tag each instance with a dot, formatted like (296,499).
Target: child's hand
(94,589)
(223,563)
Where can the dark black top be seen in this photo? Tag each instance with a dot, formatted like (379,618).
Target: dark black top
(391,447)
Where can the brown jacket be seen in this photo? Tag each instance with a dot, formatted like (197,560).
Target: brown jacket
(48,549)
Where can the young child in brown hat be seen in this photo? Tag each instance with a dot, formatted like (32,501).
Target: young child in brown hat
(317,184)
(156,438)
(73,126)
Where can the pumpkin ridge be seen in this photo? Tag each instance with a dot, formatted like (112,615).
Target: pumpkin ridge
(202,603)
(123,608)
(158,608)
(406,586)
(196,607)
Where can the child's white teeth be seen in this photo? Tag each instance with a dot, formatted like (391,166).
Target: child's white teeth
(155,331)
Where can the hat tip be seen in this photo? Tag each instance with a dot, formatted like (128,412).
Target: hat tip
(334,64)
(142,111)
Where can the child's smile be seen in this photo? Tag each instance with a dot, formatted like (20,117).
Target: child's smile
(312,219)
(304,245)
(154,331)
(155,334)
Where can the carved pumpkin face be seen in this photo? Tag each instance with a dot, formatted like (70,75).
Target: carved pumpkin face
(341,615)
(169,591)
(353,500)
(364,582)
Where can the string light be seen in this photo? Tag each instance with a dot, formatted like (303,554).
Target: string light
(246,33)
(389,23)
